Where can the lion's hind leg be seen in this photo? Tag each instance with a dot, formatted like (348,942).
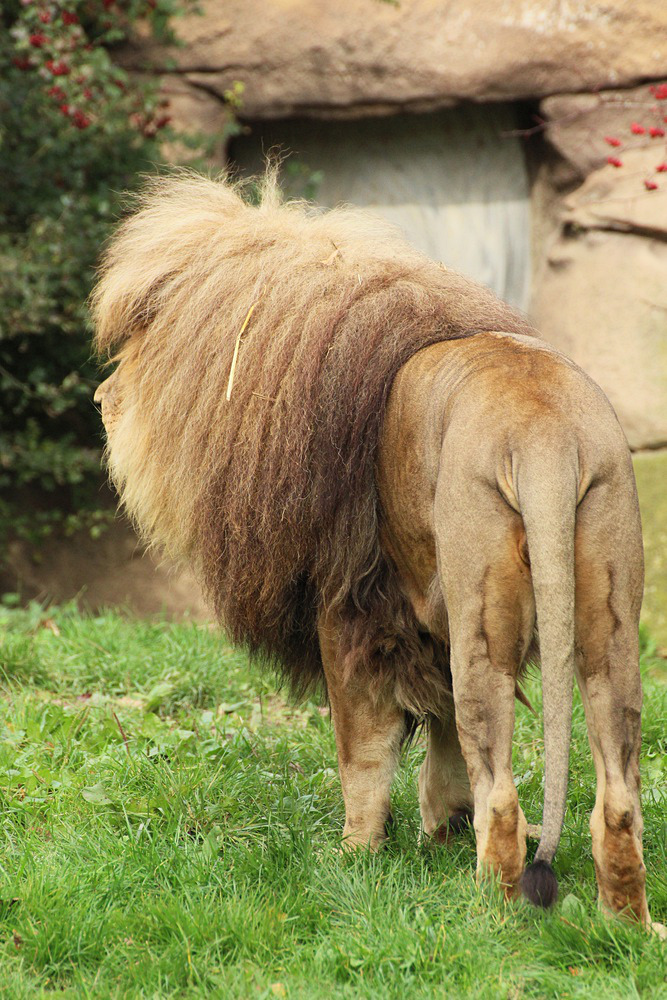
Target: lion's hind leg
(608,598)
(445,798)
(491,610)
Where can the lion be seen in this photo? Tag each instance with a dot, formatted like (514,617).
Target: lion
(390,487)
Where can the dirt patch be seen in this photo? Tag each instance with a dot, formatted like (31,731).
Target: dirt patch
(111,571)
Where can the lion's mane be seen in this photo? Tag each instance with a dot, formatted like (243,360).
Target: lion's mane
(271,494)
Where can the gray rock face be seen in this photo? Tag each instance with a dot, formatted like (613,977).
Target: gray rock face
(455,182)
(354,58)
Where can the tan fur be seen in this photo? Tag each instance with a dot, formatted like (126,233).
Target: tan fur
(378,488)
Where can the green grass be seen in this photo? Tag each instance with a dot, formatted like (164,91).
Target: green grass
(171,826)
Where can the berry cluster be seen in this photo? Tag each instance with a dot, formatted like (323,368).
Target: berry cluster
(654,131)
(51,39)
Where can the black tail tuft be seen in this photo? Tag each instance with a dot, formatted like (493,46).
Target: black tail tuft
(539,885)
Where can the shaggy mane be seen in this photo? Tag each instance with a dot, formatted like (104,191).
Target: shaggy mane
(271,494)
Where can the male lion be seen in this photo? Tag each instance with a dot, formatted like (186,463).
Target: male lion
(384,483)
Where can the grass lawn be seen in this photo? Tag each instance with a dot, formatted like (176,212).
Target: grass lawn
(171,826)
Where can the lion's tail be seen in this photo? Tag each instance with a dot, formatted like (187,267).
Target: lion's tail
(547,499)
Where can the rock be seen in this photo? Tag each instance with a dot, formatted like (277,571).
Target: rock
(197,115)
(601,294)
(601,298)
(577,125)
(651,475)
(361,57)
(617,198)
(453,181)
(112,570)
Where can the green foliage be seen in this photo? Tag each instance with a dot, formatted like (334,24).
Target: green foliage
(75,132)
(171,829)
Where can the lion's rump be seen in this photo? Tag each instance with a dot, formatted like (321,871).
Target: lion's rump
(271,494)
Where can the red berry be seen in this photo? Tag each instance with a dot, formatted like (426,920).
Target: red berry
(56,92)
(38,39)
(612,140)
(650,185)
(614,161)
(637,129)
(662,168)
(45,17)
(656,132)
(59,68)
(659,91)
(21,62)
(69,17)
(87,92)
(80,119)
(64,108)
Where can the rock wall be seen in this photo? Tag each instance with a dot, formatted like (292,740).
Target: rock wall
(356,58)
(651,475)
(600,294)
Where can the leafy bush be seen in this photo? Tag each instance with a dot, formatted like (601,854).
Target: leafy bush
(75,132)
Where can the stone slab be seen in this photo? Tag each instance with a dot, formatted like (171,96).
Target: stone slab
(355,58)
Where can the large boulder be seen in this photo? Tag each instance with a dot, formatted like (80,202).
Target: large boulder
(199,117)
(360,57)
(601,293)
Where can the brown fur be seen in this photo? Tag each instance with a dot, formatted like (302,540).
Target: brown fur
(272,494)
